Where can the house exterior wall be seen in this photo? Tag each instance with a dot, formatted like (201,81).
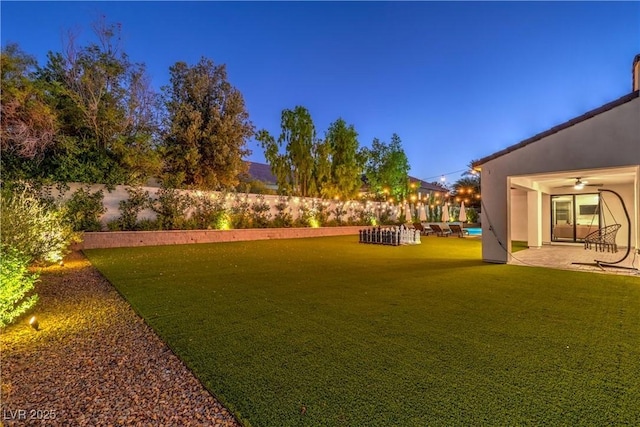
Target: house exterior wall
(608,139)
(546,219)
(518,215)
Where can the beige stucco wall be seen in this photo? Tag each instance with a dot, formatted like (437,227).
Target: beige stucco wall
(113,196)
(119,239)
(518,215)
(610,139)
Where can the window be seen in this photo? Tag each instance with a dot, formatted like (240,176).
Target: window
(573,216)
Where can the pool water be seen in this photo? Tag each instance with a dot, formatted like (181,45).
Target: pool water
(474,231)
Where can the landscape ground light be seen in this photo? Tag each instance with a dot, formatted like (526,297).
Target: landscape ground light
(33,322)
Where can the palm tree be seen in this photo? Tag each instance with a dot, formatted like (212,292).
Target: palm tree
(467,189)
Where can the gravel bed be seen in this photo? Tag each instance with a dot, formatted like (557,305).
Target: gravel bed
(94,362)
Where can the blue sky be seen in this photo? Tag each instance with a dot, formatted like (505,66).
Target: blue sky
(456,81)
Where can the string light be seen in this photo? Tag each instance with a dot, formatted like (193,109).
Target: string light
(444,175)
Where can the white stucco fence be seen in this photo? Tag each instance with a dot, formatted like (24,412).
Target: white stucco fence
(112,198)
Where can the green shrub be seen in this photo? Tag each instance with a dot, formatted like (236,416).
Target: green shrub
(83,210)
(148,225)
(260,213)
(240,217)
(322,214)
(208,211)
(283,216)
(17,284)
(356,216)
(310,215)
(170,206)
(130,208)
(365,217)
(339,212)
(35,228)
(472,215)
(114,225)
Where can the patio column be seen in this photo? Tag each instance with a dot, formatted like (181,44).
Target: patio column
(534,223)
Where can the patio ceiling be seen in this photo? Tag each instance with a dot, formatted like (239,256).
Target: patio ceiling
(563,181)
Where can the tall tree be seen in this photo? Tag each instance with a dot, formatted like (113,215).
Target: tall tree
(346,167)
(321,154)
(279,162)
(208,127)
(106,112)
(387,168)
(294,168)
(28,123)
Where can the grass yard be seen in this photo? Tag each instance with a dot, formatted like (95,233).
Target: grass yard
(329,332)
(518,245)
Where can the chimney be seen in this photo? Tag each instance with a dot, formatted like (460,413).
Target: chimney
(635,74)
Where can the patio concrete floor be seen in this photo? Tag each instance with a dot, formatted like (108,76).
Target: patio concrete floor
(563,257)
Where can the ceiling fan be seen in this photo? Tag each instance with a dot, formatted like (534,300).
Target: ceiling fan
(580,183)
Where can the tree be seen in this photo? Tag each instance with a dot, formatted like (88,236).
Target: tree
(467,188)
(28,124)
(280,163)
(207,129)
(294,169)
(387,168)
(106,113)
(321,154)
(346,165)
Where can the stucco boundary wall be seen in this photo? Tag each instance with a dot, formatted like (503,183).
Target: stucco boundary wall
(119,239)
(295,205)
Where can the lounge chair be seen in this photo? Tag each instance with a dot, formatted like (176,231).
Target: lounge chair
(456,229)
(425,231)
(440,232)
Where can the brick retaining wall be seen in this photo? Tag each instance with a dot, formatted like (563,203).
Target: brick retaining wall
(117,239)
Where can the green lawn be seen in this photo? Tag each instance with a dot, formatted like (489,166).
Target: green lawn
(518,245)
(367,335)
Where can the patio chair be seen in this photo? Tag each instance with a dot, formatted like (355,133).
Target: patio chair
(456,229)
(603,239)
(440,232)
(425,231)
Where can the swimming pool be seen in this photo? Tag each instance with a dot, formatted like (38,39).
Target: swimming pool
(474,231)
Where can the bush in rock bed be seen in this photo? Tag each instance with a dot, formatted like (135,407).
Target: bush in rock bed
(35,228)
(16,295)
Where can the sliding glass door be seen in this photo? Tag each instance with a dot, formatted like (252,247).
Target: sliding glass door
(573,216)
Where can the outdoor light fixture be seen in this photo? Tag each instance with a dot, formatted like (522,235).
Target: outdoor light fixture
(33,322)
(579,184)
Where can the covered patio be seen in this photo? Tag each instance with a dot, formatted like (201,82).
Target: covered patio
(553,212)
(563,257)
(559,187)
